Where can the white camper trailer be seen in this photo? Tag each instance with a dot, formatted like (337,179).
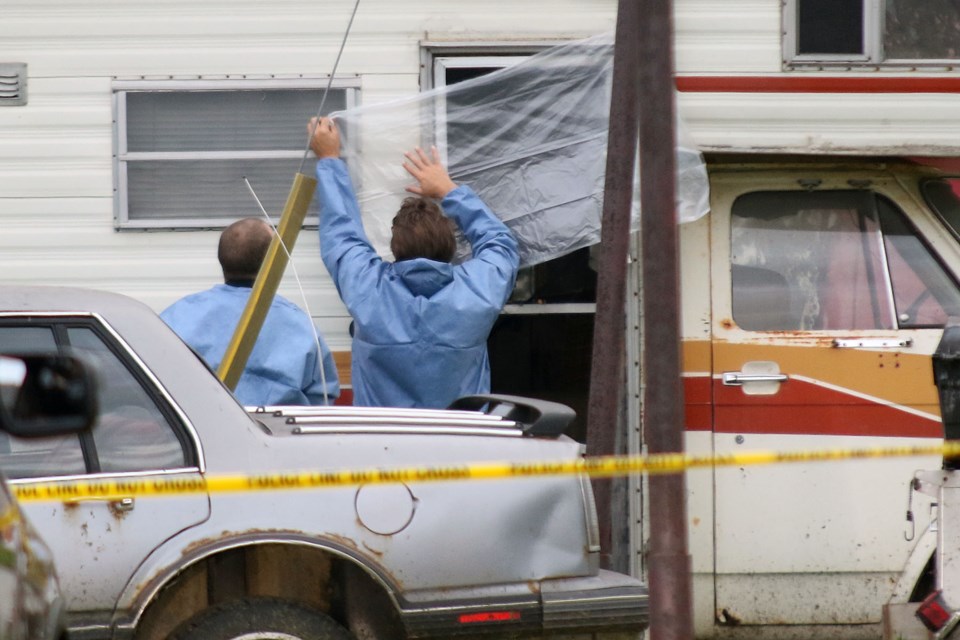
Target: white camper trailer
(790,99)
(111,175)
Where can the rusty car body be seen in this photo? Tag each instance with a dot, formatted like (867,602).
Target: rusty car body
(31,603)
(39,394)
(507,557)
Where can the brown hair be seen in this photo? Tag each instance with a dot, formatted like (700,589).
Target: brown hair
(243,246)
(420,230)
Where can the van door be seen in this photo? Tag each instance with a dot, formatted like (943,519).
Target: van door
(827,304)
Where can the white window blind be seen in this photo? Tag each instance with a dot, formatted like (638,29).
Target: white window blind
(184,148)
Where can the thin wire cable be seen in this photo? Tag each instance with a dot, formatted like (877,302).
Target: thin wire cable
(316,334)
(323,98)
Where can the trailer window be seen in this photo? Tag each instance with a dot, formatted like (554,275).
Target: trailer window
(830,26)
(542,344)
(927,30)
(834,260)
(874,32)
(183,148)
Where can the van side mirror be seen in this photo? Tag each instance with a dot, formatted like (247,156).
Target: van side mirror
(46,395)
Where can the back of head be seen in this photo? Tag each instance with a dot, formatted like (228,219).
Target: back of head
(420,230)
(243,246)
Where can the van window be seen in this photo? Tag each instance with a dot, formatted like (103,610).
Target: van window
(833,260)
(943,196)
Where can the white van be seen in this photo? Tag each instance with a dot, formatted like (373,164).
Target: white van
(813,296)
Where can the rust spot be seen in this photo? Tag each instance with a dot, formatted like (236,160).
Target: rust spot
(797,339)
(534,587)
(209,540)
(727,323)
(70,506)
(728,619)
(347,542)
(202,542)
(117,512)
(696,522)
(375,552)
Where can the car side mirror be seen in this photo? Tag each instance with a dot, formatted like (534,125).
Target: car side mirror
(46,395)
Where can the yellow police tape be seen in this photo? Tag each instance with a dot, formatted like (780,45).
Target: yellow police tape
(599,466)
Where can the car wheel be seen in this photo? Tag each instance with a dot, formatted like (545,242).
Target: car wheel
(260,619)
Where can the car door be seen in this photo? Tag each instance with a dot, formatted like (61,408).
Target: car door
(11,579)
(139,435)
(828,302)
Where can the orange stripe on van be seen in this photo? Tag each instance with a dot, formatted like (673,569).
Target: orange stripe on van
(904,379)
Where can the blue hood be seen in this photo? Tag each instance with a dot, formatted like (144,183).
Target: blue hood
(424,277)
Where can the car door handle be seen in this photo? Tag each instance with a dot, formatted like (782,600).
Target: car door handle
(736,378)
(121,505)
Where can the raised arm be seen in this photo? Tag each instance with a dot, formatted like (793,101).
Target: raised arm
(347,253)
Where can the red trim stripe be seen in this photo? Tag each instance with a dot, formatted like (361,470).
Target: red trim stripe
(816,84)
(799,408)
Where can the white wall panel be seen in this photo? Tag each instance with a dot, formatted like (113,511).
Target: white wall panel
(897,124)
(727,36)
(56,169)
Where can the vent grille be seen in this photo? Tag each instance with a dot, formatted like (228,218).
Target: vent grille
(13,84)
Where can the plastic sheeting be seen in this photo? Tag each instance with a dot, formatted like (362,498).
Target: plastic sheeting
(530,139)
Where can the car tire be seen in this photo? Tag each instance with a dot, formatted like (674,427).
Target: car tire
(261,619)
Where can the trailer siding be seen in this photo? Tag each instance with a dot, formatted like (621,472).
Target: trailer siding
(56,153)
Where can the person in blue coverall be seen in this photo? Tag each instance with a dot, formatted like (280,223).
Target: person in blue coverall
(420,323)
(284,366)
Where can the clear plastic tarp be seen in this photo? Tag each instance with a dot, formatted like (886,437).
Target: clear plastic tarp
(530,139)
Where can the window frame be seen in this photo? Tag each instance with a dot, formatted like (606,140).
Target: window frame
(872,39)
(884,284)
(121,157)
(435,59)
(952,228)
(873,55)
(177,420)
(436,56)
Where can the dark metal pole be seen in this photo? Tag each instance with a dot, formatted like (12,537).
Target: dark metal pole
(607,365)
(668,560)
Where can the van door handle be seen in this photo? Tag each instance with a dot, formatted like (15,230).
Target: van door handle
(736,378)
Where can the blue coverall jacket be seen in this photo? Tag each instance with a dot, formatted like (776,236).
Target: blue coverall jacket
(420,326)
(283,367)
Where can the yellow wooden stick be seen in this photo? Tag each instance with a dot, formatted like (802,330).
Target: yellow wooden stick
(267,282)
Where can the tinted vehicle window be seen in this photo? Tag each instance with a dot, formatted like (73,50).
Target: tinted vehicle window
(41,457)
(132,433)
(31,458)
(27,340)
(943,196)
(833,260)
